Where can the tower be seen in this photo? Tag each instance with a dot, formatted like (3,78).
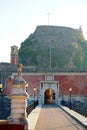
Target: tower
(14,55)
(80,28)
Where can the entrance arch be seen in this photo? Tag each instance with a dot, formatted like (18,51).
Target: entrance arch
(46,88)
(49,96)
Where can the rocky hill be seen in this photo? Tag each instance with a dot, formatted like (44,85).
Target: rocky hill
(54,47)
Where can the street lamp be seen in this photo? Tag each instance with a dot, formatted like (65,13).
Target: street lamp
(0,88)
(86,88)
(37,94)
(62,98)
(34,95)
(70,90)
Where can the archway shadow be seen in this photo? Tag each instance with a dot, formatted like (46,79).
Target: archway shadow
(49,96)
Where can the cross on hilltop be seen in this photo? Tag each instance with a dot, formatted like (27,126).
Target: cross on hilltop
(48,14)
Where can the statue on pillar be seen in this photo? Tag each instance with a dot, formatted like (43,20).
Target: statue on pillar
(18,100)
(19,69)
(19,79)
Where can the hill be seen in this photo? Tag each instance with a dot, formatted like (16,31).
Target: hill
(54,47)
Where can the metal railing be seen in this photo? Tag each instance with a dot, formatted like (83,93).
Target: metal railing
(80,107)
(31,106)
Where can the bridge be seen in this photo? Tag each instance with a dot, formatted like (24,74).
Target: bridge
(53,117)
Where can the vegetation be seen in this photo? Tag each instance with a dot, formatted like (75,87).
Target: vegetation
(55,47)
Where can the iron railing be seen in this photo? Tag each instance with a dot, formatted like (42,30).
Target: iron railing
(78,106)
(31,106)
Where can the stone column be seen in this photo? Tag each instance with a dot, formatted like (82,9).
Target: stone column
(18,100)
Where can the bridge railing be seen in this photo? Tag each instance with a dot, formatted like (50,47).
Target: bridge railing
(31,106)
(80,107)
(5,106)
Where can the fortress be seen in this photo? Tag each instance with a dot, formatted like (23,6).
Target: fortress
(50,87)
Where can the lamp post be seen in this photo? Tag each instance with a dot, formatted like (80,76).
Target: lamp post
(70,90)
(34,95)
(37,95)
(86,89)
(62,98)
(0,81)
(0,88)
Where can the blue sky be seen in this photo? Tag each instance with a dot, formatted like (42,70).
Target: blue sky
(19,18)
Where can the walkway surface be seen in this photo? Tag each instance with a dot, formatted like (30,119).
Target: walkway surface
(52,117)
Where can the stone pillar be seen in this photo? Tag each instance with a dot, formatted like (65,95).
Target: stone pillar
(18,100)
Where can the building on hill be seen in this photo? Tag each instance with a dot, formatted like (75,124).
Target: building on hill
(54,47)
(53,87)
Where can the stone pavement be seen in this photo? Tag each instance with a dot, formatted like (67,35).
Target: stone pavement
(33,117)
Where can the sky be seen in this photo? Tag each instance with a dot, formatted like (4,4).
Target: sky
(19,18)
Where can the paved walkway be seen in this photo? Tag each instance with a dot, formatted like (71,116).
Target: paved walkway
(52,114)
(53,118)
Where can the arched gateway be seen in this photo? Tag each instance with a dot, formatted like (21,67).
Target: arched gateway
(49,92)
(49,96)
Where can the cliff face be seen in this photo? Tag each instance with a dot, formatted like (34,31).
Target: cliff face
(54,47)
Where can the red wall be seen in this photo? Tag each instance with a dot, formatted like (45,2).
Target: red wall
(77,82)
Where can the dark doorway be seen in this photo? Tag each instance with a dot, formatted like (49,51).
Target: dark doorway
(49,96)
